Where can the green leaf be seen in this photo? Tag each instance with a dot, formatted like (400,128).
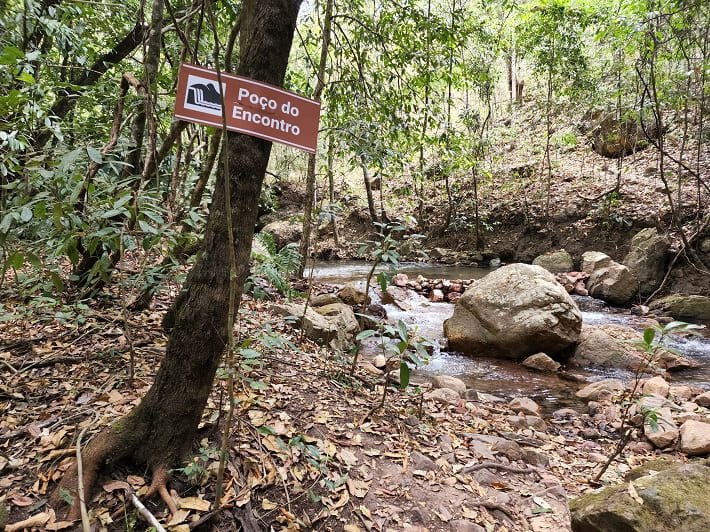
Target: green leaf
(7,222)
(147,228)
(94,155)
(66,496)
(367,333)
(57,281)
(34,260)
(402,330)
(266,430)
(249,353)
(403,375)
(15,260)
(26,214)
(648,335)
(26,77)
(259,385)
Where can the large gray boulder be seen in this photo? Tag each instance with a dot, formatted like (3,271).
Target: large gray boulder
(513,312)
(684,307)
(334,329)
(613,283)
(616,346)
(555,261)
(594,260)
(646,259)
(661,497)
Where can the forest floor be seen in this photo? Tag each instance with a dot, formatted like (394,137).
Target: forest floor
(308,448)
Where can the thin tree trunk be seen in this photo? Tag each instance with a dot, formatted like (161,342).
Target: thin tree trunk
(331,188)
(160,430)
(311,172)
(368,192)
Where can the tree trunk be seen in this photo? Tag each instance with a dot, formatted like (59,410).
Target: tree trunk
(311,172)
(160,430)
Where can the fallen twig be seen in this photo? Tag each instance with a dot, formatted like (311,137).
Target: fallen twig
(9,366)
(145,513)
(85,525)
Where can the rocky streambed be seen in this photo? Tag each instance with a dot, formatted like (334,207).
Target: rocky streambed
(584,405)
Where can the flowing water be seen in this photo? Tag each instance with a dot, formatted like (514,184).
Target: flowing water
(506,378)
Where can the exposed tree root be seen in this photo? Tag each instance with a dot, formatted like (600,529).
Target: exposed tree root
(159,485)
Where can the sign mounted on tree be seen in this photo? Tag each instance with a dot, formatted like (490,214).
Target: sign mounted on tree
(251,107)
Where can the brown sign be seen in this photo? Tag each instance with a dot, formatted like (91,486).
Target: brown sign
(251,107)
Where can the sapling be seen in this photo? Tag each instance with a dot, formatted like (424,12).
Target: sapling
(652,343)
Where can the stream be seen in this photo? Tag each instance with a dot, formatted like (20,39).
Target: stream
(505,378)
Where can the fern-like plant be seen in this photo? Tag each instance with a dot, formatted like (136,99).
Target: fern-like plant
(272,268)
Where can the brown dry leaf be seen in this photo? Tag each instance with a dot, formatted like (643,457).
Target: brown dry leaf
(267,505)
(178,517)
(116,485)
(194,503)
(467,513)
(35,521)
(21,501)
(344,498)
(347,457)
(358,488)
(59,525)
(634,494)
(135,481)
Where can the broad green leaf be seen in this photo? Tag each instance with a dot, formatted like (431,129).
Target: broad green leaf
(402,330)
(648,336)
(34,260)
(15,260)
(25,214)
(403,375)
(95,155)
(367,333)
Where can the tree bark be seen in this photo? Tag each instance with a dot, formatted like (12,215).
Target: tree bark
(160,430)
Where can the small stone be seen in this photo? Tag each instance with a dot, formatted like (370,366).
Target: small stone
(462,525)
(656,385)
(508,448)
(489,398)
(689,406)
(535,422)
(443,396)
(412,421)
(422,462)
(703,399)
(600,390)
(445,443)
(452,383)
(597,458)
(695,438)
(351,295)
(371,369)
(436,296)
(452,297)
(400,279)
(563,413)
(541,362)
(525,405)
(380,361)
(664,432)
(321,300)
(535,458)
